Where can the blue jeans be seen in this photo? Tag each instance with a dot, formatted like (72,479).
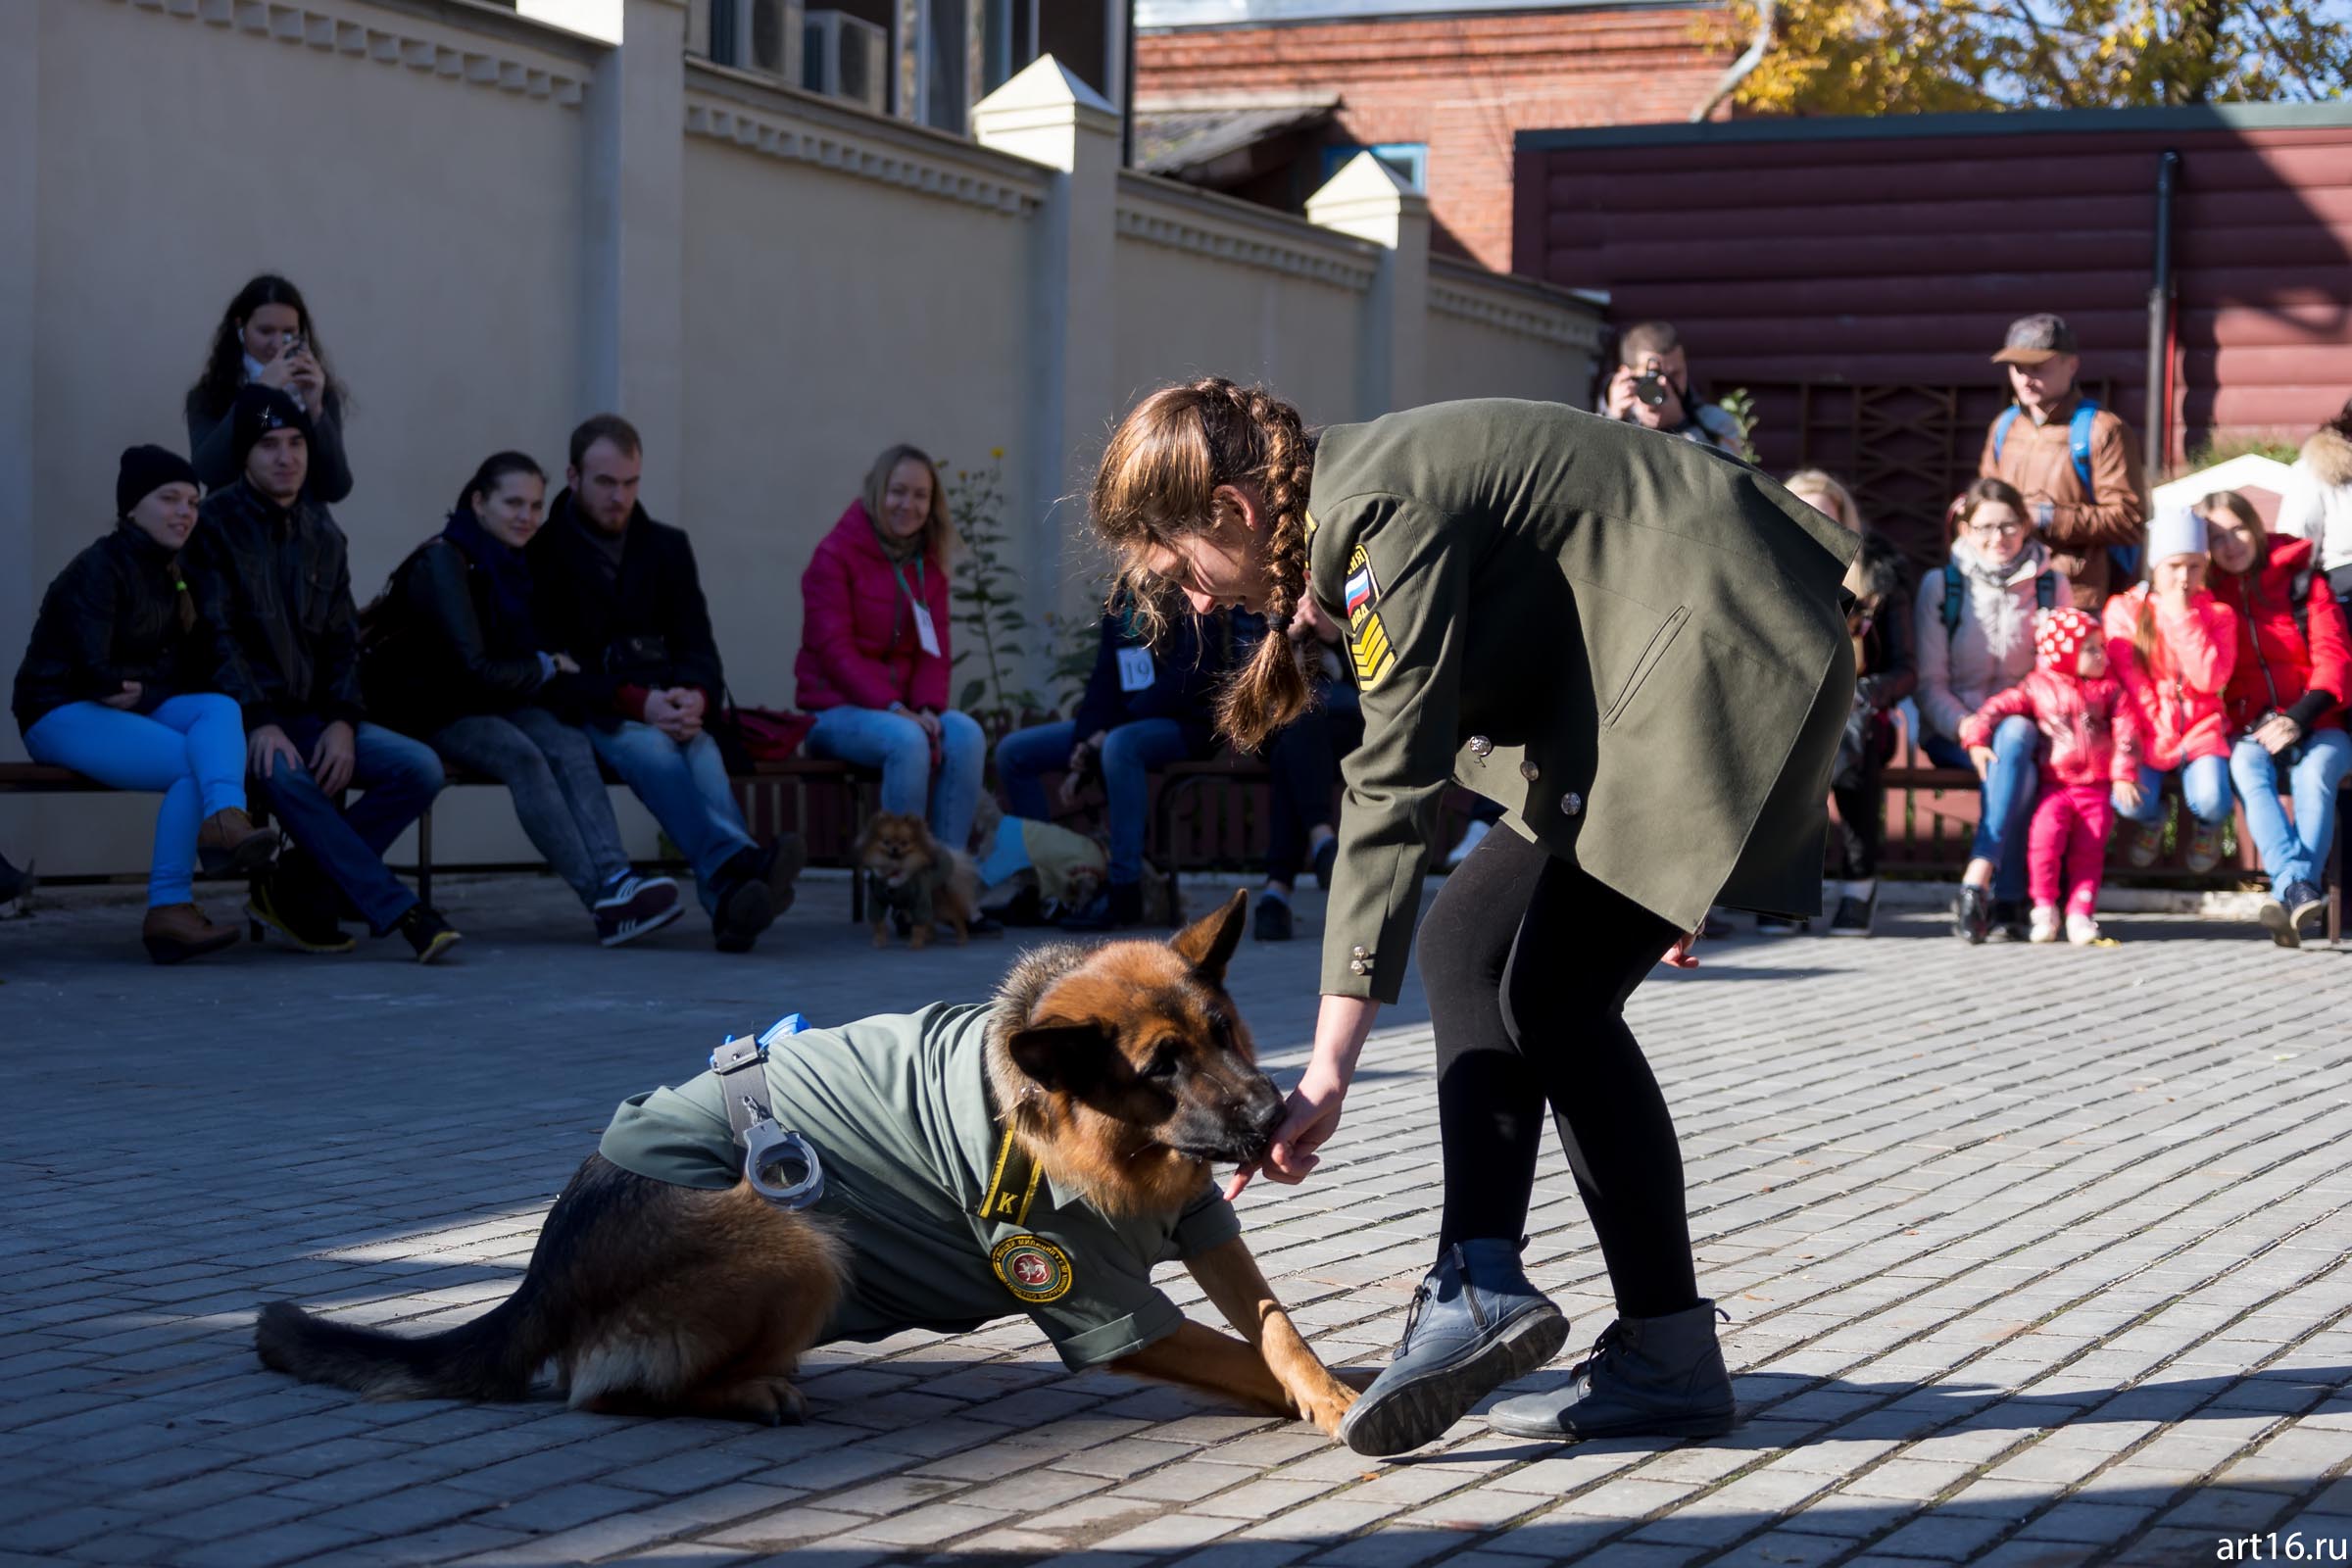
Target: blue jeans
(550,770)
(686,787)
(192,748)
(399,778)
(2297,851)
(876,737)
(2204,786)
(2008,805)
(1130,752)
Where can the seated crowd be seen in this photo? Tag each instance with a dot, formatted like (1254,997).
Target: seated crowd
(2069,651)
(2075,654)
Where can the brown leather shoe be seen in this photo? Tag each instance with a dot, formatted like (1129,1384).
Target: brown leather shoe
(229,842)
(175,932)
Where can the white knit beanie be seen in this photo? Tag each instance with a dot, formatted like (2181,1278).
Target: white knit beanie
(2176,531)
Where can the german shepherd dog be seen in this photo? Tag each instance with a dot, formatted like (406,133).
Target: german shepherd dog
(908,869)
(1121,1069)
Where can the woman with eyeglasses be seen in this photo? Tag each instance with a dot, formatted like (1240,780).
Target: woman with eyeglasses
(1974,631)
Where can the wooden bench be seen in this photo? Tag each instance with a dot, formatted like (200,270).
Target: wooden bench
(824,802)
(1216,814)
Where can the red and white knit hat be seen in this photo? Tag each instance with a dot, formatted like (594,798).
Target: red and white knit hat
(2060,634)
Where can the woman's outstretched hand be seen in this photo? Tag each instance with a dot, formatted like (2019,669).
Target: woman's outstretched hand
(1311,1115)
(1679,956)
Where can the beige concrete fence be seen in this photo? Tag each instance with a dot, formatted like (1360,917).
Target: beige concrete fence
(502,226)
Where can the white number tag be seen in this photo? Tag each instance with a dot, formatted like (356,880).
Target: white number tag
(924,632)
(1135,670)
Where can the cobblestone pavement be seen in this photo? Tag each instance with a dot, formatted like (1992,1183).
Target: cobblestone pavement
(2034,1257)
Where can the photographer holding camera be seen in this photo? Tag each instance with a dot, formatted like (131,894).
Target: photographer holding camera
(1651,388)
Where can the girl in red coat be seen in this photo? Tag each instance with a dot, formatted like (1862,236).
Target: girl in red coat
(874,652)
(2284,703)
(2173,645)
(2090,735)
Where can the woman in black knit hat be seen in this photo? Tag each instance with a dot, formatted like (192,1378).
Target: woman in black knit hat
(113,686)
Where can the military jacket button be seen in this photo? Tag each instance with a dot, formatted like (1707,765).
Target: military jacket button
(1530,772)
(1572,805)
(1481,746)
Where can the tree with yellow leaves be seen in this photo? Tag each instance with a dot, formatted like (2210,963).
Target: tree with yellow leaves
(1882,57)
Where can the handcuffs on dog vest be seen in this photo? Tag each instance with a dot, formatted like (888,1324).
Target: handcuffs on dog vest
(769,1151)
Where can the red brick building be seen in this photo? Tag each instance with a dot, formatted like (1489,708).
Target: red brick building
(1262,98)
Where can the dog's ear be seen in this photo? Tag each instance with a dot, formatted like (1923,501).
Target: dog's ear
(1071,1057)
(1208,943)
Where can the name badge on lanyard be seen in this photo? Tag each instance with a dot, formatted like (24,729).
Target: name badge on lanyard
(925,633)
(1135,670)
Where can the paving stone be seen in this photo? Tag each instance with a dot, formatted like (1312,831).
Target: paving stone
(2025,1271)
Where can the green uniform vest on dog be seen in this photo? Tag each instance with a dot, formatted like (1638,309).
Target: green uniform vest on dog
(897,1108)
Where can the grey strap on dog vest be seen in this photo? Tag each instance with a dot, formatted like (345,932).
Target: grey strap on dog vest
(781,1166)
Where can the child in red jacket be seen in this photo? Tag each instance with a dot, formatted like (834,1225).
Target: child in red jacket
(2089,766)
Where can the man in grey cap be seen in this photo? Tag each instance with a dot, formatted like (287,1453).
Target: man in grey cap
(2077,464)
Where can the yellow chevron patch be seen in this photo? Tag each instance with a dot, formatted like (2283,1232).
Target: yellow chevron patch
(1368,642)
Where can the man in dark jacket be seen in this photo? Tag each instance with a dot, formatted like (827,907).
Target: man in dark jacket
(619,592)
(273,577)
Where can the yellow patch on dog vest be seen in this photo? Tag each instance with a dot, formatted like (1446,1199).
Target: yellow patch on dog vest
(1011,1186)
(1032,1268)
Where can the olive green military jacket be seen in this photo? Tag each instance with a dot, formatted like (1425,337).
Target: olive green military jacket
(1632,642)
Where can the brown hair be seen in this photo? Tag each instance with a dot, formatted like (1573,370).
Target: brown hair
(610,427)
(1157,484)
(2240,509)
(1645,338)
(938,531)
(2341,425)
(1984,491)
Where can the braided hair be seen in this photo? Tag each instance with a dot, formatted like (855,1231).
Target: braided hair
(1157,484)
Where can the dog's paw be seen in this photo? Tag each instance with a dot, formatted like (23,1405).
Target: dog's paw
(881,936)
(1325,1406)
(769,1401)
(920,938)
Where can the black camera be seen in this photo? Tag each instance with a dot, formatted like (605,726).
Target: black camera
(2293,752)
(1652,387)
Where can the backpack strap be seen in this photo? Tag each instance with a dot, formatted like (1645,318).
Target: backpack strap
(2077,441)
(1952,590)
(2045,590)
(2000,429)
(2299,597)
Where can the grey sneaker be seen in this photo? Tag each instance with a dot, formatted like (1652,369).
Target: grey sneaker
(1475,1323)
(2289,909)
(1647,1376)
(2204,851)
(2306,901)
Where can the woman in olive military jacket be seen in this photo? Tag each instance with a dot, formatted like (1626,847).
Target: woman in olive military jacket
(1632,642)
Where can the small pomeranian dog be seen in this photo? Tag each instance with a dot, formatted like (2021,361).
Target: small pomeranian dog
(906,869)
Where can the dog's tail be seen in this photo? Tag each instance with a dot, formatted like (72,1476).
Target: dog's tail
(493,1358)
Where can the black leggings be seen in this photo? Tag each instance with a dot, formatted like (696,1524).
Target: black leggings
(1527,961)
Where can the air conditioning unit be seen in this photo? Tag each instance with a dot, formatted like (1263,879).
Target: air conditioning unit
(754,35)
(846,57)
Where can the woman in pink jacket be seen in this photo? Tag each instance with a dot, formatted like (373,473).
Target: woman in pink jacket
(874,654)
(2173,644)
